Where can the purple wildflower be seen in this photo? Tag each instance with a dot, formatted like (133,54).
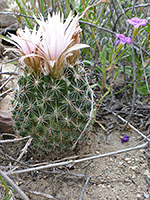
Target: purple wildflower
(117,42)
(124,39)
(125,138)
(136,22)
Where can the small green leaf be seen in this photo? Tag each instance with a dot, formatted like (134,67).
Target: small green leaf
(103,54)
(142,90)
(94,85)
(99,69)
(29,22)
(148,28)
(87,62)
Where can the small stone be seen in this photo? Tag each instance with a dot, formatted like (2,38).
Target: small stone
(138,195)
(6,123)
(147,173)
(127,159)
(133,176)
(97,152)
(141,161)
(134,168)
(142,150)
(120,163)
(146,195)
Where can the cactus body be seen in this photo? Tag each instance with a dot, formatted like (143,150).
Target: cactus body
(57,113)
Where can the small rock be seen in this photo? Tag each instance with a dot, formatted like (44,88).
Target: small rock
(142,162)
(133,176)
(127,159)
(139,197)
(146,195)
(147,173)
(6,123)
(134,168)
(121,163)
(142,150)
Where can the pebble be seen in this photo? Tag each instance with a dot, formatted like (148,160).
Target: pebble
(120,163)
(127,159)
(142,161)
(142,150)
(139,197)
(147,173)
(134,168)
(133,176)
(146,195)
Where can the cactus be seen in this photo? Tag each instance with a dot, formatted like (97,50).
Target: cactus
(53,102)
(55,112)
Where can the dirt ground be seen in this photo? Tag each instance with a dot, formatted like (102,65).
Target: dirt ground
(119,177)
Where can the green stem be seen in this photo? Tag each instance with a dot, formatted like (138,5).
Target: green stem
(100,15)
(7,188)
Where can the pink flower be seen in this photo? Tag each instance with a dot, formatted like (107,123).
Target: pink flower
(136,22)
(60,41)
(52,47)
(27,42)
(123,39)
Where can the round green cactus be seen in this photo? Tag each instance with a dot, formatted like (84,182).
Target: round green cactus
(57,113)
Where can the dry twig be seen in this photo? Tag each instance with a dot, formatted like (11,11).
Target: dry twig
(14,140)
(48,196)
(72,162)
(82,193)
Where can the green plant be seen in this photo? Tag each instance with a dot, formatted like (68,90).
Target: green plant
(8,191)
(53,102)
(55,112)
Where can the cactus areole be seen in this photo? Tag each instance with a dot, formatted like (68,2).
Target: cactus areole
(53,102)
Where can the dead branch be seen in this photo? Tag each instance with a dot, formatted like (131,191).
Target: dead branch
(14,140)
(48,196)
(72,162)
(82,193)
